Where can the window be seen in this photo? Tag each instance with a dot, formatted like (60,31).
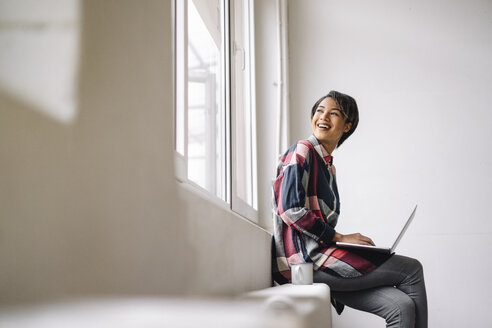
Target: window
(215,137)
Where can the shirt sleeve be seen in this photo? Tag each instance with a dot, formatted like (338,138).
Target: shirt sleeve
(290,189)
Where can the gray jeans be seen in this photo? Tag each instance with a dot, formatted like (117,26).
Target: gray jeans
(394,291)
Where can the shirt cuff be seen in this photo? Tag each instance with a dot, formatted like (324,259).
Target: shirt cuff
(326,237)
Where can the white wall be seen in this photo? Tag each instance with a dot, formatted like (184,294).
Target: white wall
(421,73)
(92,207)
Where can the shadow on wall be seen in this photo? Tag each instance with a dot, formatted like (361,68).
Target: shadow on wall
(39,55)
(90,207)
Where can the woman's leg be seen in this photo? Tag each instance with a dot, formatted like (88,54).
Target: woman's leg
(396,307)
(404,273)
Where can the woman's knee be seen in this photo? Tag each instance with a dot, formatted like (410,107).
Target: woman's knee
(416,264)
(412,265)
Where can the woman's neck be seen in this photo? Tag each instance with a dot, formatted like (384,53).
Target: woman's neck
(329,147)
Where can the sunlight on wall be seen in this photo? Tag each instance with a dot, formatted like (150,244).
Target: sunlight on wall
(39,50)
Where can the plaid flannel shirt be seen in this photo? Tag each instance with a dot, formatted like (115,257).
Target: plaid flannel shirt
(306,207)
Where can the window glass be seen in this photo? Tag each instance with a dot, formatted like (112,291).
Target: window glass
(205,97)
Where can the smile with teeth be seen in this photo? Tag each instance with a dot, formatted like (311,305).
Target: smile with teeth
(323,126)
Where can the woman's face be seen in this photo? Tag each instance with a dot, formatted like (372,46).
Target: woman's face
(328,123)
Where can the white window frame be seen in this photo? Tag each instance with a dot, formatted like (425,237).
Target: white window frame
(180,158)
(247,56)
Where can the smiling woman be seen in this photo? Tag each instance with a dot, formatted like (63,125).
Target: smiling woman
(307,207)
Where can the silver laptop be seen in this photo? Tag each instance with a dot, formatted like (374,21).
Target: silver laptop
(389,250)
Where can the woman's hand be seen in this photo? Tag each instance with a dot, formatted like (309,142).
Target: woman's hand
(353,238)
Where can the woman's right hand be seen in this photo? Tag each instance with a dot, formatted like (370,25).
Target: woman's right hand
(353,238)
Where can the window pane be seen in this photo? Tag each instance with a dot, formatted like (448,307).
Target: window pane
(206,121)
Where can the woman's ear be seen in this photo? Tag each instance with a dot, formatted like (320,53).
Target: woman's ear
(348,126)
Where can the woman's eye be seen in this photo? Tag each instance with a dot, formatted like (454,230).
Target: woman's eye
(334,113)
(319,111)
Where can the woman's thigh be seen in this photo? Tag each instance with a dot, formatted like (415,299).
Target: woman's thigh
(391,273)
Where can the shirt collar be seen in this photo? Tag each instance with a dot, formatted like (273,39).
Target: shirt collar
(327,158)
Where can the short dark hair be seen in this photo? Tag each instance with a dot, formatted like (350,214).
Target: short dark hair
(349,110)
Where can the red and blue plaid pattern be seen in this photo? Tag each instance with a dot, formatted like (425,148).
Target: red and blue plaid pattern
(306,207)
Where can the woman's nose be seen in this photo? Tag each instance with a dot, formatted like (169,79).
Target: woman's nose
(325,116)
